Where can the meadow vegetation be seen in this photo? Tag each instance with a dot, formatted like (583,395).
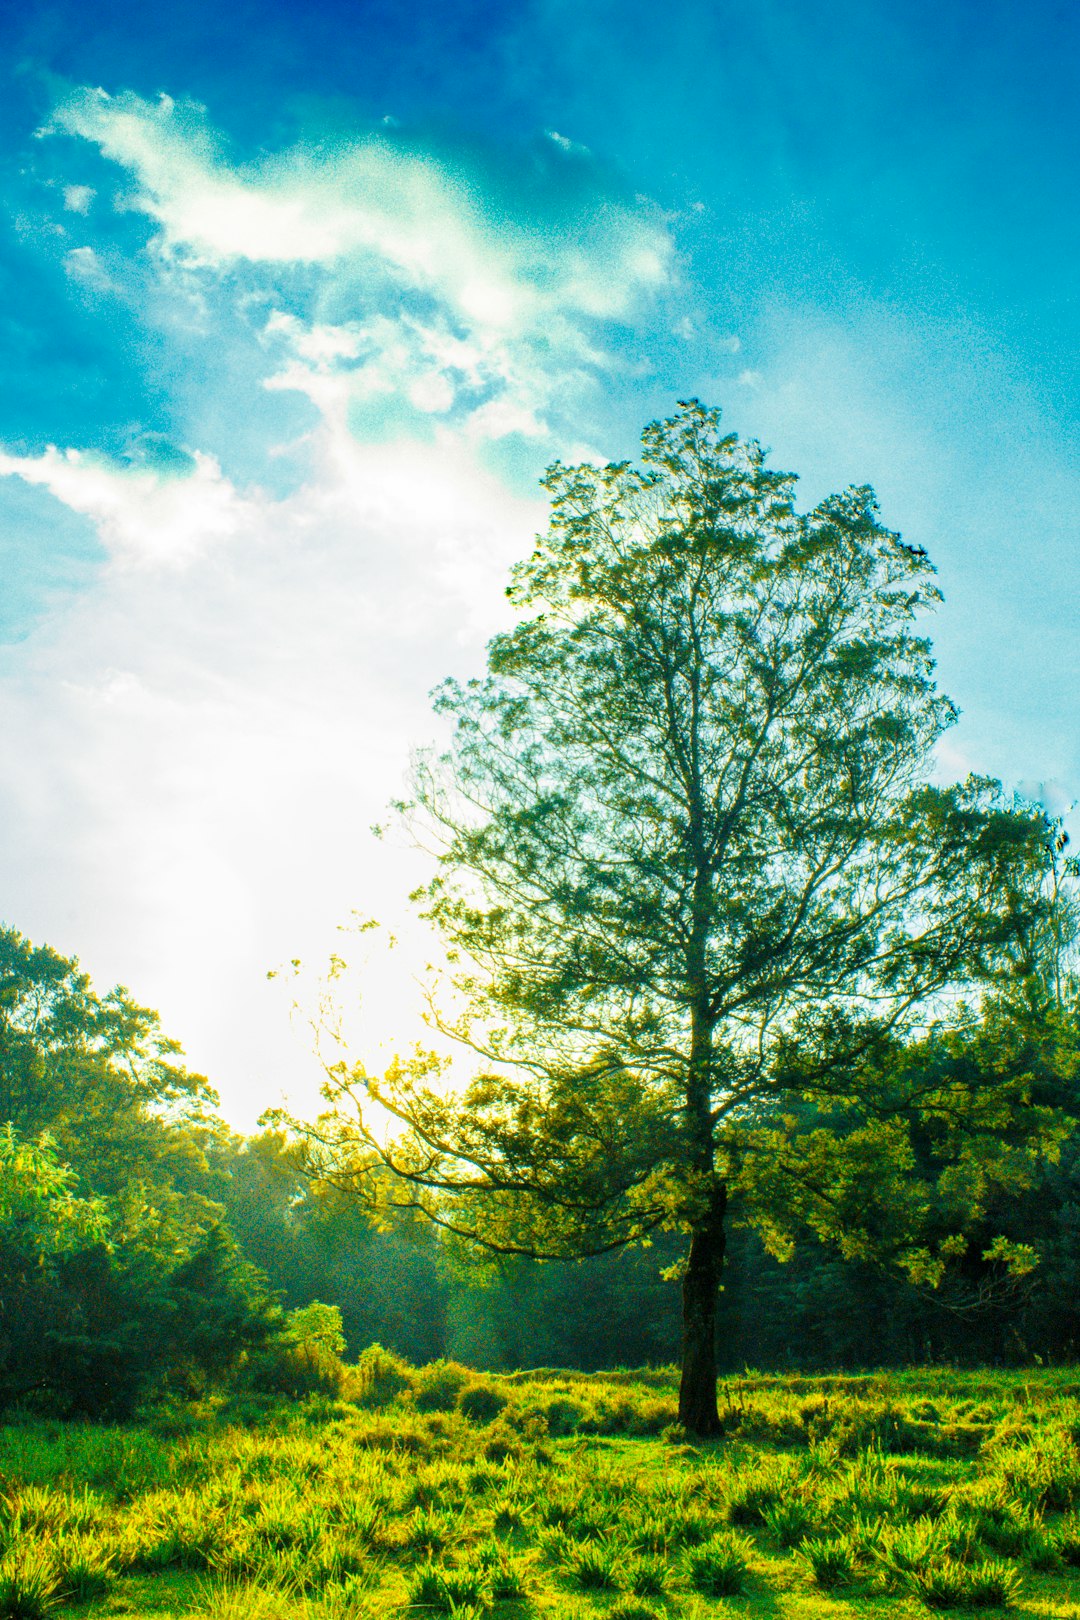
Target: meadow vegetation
(443,1492)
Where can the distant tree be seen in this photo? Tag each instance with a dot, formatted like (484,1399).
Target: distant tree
(116,1276)
(97,1073)
(315,1244)
(689,865)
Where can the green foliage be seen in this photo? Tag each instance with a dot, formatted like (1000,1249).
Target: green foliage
(97,1073)
(595,1566)
(480,1402)
(949,1584)
(439,1386)
(116,1277)
(446,1590)
(28,1585)
(718,1568)
(829,1561)
(693,882)
(337,1510)
(379,1377)
(647,1575)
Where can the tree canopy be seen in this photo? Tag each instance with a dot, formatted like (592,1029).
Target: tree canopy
(695,879)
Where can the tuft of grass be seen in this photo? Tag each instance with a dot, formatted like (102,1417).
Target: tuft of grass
(84,1568)
(790,1522)
(829,1561)
(647,1575)
(718,1568)
(626,1609)
(1066,1541)
(429,1531)
(226,1601)
(447,1590)
(507,1579)
(949,1584)
(595,1566)
(29,1585)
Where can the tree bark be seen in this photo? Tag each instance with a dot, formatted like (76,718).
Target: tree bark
(700,1290)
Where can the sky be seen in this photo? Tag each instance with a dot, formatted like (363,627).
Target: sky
(296,304)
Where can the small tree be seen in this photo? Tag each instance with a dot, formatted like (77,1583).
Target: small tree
(688,863)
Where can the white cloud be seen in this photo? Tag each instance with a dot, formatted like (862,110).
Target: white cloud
(142,515)
(461,308)
(77,199)
(82,264)
(194,755)
(373,198)
(197,742)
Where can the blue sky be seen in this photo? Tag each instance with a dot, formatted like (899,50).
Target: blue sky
(298,302)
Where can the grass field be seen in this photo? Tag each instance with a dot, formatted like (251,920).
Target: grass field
(450,1493)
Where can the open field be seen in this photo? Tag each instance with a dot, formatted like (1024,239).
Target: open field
(551,1494)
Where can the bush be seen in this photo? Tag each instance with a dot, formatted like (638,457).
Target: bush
(295,1371)
(563,1415)
(439,1385)
(378,1378)
(480,1402)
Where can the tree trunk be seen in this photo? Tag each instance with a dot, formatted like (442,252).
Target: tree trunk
(700,1289)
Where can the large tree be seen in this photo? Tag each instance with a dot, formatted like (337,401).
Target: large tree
(688,858)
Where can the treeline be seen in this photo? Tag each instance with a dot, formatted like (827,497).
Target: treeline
(146,1248)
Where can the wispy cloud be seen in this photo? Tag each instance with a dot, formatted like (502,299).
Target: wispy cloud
(201,736)
(453,295)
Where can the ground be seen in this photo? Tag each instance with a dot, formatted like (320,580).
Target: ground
(556,1496)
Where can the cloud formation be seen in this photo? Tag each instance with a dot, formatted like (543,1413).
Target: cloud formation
(450,294)
(202,734)
(141,514)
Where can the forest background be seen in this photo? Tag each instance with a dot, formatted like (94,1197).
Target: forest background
(147,1248)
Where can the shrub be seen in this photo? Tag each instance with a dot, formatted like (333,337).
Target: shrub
(295,1371)
(481,1402)
(563,1414)
(439,1385)
(378,1377)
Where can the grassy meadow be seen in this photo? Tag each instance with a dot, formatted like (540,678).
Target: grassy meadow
(444,1492)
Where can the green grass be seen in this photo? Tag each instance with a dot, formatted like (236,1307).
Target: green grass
(556,1496)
